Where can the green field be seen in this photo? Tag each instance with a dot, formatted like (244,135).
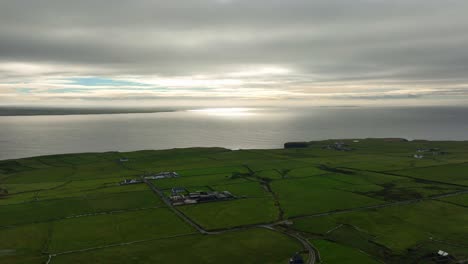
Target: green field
(333,253)
(373,204)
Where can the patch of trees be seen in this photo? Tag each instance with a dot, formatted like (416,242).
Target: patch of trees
(296,145)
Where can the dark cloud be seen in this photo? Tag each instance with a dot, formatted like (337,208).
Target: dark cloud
(411,43)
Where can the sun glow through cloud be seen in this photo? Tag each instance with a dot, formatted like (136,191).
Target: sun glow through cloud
(227,112)
(243,52)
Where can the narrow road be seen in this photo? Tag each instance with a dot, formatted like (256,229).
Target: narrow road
(175,210)
(306,245)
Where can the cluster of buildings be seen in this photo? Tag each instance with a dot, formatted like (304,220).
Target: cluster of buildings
(156,176)
(130,181)
(161,175)
(421,152)
(180,196)
(340,146)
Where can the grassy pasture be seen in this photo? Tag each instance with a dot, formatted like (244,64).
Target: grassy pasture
(216,215)
(24,244)
(451,173)
(29,187)
(40,211)
(333,253)
(205,180)
(461,200)
(87,232)
(44,191)
(316,195)
(53,174)
(250,246)
(83,188)
(395,229)
(247,189)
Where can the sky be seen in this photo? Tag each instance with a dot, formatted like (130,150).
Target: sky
(233,52)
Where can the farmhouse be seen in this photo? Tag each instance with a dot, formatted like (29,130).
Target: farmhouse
(123,159)
(417,156)
(130,181)
(179,196)
(340,146)
(162,175)
(177,190)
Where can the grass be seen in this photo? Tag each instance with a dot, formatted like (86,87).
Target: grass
(216,215)
(461,200)
(94,231)
(396,229)
(452,173)
(333,253)
(31,212)
(23,244)
(316,195)
(281,184)
(250,246)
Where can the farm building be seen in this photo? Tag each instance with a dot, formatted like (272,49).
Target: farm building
(179,198)
(177,190)
(340,146)
(162,175)
(130,181)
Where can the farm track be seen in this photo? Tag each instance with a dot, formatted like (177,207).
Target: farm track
(52,255)
(410,177)
(313,254)
(84,215)
(356,209)
(306,244)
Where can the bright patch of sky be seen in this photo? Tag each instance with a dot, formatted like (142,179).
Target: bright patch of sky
(97,81)
(316,52)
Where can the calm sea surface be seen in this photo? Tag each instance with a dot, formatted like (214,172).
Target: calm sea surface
(24,136)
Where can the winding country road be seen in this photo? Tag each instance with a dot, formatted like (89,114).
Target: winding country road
(307,246)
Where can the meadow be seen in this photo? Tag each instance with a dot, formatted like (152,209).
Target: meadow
(373,202)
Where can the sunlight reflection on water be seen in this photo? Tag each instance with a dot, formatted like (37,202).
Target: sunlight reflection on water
(227,112)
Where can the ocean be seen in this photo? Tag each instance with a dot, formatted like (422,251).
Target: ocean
(234,128)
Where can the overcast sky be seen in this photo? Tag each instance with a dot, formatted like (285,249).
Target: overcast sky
(218,52)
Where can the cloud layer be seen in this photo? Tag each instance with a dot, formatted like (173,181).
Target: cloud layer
(52,50)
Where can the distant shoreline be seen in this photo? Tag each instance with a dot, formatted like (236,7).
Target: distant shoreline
(312,144)
(30,111)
